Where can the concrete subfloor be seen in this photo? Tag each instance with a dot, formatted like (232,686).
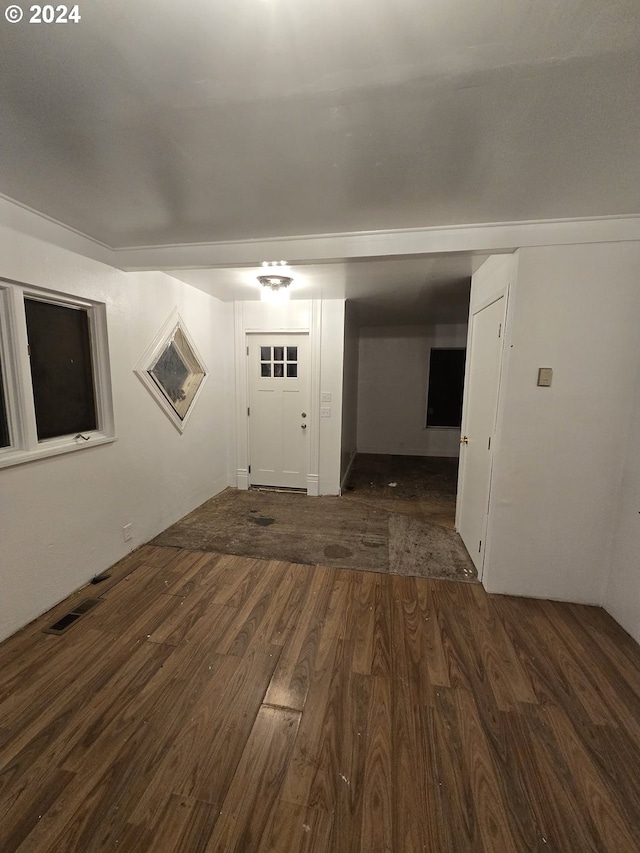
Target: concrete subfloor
(395,516)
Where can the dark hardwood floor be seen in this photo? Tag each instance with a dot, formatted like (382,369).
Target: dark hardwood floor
(220,703)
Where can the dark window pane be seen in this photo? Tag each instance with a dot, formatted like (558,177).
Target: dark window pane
(292,353)
(265,370)
(446,382)
(278,353)
(265,353)
(292,371)
(4,420)
(278,370)
(61,369)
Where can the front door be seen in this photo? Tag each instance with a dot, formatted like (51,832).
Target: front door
(279,410)
(479,418)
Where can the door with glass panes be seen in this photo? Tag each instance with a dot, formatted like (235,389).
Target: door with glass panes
(278,410)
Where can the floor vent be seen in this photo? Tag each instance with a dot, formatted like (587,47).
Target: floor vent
(71,618)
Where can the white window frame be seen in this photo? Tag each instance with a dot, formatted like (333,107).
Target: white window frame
(149,358)
(24,446)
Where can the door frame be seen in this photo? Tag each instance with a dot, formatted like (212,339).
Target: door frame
(501,291)
(313,330)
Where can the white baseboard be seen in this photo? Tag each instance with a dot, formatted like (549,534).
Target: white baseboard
(313,485)
(242,479)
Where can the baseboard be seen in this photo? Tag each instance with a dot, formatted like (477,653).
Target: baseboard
(242,479)
(313,485)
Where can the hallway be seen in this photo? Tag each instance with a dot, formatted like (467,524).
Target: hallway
(406,529)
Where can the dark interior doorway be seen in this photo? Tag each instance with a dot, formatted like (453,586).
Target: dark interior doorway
(426,485)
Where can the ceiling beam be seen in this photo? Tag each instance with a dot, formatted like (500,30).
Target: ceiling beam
(479,238)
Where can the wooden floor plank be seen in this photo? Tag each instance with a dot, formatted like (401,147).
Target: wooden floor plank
(533,641)
(377,808)
(603,802)
(458,828)
(305,756)
(429,641)
(329,773)
(294,673)
(509,680)
(408,688)
(296,829)
(291,612)
(556,821)
(353,749)
(255,609)
(183,825)
(200,760)
(362,628)
(36,803)
(77,654)
(480,769)
(275,628)
(253,794)
(225,703)
(51,729)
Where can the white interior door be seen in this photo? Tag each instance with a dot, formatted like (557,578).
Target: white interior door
(479,419)
(279,410)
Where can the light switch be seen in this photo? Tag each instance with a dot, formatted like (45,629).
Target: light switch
(325,412)
(325,397)
(545,375)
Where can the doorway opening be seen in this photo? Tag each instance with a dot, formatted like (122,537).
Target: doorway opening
(420,485)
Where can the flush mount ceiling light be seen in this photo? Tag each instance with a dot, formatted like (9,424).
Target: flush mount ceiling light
(274,285)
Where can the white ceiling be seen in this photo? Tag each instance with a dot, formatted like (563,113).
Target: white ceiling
(386,291)
(155,122)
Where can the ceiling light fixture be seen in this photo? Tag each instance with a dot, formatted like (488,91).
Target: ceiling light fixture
(274,286)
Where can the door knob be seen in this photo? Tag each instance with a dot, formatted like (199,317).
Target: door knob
(303,426)
(464,440)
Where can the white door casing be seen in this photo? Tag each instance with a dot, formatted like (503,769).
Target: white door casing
(484,360)
(278,410)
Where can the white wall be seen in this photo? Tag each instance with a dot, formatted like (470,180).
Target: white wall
(622,593)
(561,450)
(61,518)
(324,320)
(392,390)
(331,361)
(349,392)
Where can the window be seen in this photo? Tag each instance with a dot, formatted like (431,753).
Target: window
(5,439)
(61,368)
(279,367)
(173,371)
(446,384)
(55,393)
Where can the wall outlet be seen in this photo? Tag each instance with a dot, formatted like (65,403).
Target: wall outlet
(325,412)
(325,397)
(127,532)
